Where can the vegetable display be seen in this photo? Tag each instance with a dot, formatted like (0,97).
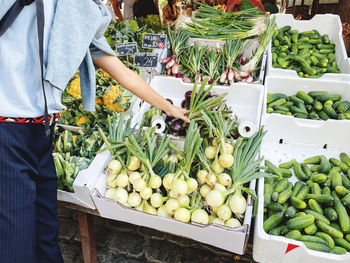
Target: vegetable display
(315,209)
(309,53)
(316,105)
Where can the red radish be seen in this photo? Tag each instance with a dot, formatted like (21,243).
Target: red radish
(168,71)
(165,60)
(171,62)
(178,75)
(186,79)
(175,68)
(250,79)
(244,74)
(230,76)
(237,76)
(243,60)
(223,76)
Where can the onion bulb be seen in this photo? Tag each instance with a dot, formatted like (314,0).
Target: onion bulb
(238,204)
(122,180)
(157,200)
(215,142)
(139,207)
(220,187)
(225,179)
(114,167)
(210,152)
(202,176)
(227,148)
(168,181)
(184,201)
(182,214)
(111,180)
(216,167)
(211,180)
(204,190)
(226,160)
(192,185)
(121,195)
(155,181)
(134,199)
(139,184)
(218,221)
(171,206)
(163,212)
(211,218)
(215,198)
(200,216)
(134,176)
(146,193)
(134,163)
(179,187)
(110,193)
(232,222)
(149,209)
(224,212)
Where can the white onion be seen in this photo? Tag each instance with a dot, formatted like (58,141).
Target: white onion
(121,195)
(224,212)
(172,194)
(168,181)
(139,184)
(112,180)
(171,206)
(139,207)
(200,216)
(122,180)
(232,222)
(184,201)
(226,160)
(182,214)
(114,167)
(157,200)
(238,204)
(134,176)
(155,181)
(220,187)
(211,218)
(204,190)
(228,148)
(146,193)
(214,209)
(179,187)
(210,152)
(149,209)
(218,221)
(216,167)
(215,142)
(134,163)
(211,180)
(215,198)
(110,193)
(163,212)
(134,199)
(192,185)
(202,176)
(225,179)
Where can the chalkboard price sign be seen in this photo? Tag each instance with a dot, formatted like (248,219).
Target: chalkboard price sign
(126,48)
(146,60)
(153,41)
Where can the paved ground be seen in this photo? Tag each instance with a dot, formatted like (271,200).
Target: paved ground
(126,243)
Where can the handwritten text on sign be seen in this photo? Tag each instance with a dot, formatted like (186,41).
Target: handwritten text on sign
(153,41)
(126,49)
(146,60)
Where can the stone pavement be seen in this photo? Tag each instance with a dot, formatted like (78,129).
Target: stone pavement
(125,243)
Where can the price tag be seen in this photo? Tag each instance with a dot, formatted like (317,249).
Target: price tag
(126,49)
(154,41)
(146,60)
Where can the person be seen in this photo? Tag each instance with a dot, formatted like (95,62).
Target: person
(170,12)
(143,8)
(128,9)
(270,6)
(73,38)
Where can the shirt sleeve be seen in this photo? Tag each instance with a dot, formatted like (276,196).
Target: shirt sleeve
(96,53)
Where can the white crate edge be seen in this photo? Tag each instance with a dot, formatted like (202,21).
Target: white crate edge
(233,240)
(318,22)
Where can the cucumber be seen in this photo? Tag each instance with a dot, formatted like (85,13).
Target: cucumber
(332,97)
(345,158)
(278,102)
(267,194)
(338,163)
(336,178)
(297,203)
(346,200)
(311,229)
(317,216)
(286,173)
(313,115)
(347,237)
(323,115)
(275,207)
(343,106)
(295,99)
(276,231)
(342,243)
(312,160)
(284,231)
(345,181)
(327,238)
(300,115)
(315,239)
(303,192)
(335,233)
(341,190)
(300,214)
(343,216)
(269,180)
(300,222)
(319,178)
(315,94)
(290,212)
(315,206)
(317,246)
(274,196)
(314,168)
(331,214)
(338,250)
(284,196)
(281,185)
(280,108)
(287,104)
(325,166)
(273,221)
(287,165)
(323,199)
(315,188)
(298,185)
(274,169)
(326,191)
(330,111)
(306,170)
(295,110)
(305,97)
(269,110)
(294,234)
(299,172)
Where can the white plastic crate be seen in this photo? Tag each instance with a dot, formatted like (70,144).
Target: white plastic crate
(290,86)
(230,239)
(244,99)
(325,24)
(285,140)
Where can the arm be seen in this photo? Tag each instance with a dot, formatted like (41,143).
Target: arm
(134,83)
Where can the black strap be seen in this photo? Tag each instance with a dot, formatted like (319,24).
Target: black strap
(7,20)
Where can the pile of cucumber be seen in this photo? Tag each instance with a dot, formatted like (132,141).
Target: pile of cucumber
(309,53)
(316,209)
(316,105)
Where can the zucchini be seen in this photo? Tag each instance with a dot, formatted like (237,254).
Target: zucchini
(273,221)
(315,239)
(317,246)
(290,212)
(325,166)
(317,216)
(341,190)
(298,185)
(267,194)
(327,238)
(343,216)
(300,222)
(338,250)
(315,206)
(331,214)
(299,172)
(297,203)
(281,185)
(342,243)
(323,199)
(294,234)
(274,169)
(335,233)
(287,165)
(312,160)
(319,178)
(311,229)
(305,97)
(345,158)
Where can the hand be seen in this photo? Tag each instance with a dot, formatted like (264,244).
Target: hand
(178,113)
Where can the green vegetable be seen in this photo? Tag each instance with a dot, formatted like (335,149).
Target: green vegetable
(273,221)
(297,203)
(324,199)
(327,238)
(331,214)
(329,230)
(297,186)
(317,216)
(275,207)
(324,165)
(299,172)
(300,222)
(267,193)
(315,206)
(274,169)
(281,185)
(319,178)
(345,158)
(294,234)
(311,229)
(317,246)
(342,243)
(290,212)
(338,250)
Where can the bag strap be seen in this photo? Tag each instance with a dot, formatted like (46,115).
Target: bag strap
(7,20)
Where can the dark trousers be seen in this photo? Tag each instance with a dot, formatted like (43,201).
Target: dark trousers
(28,195)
